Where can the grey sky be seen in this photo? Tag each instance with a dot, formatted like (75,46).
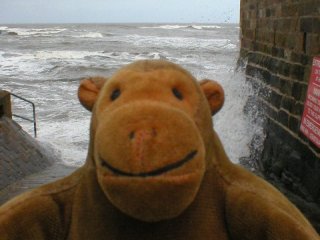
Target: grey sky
(113,11)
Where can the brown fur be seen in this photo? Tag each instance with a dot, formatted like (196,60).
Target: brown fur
(155,169)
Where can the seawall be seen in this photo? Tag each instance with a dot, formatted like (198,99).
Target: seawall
(20,154)
(279,40)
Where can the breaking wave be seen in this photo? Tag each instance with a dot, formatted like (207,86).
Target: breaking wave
(32,31)
(173,27)
(91,35)
(48,70)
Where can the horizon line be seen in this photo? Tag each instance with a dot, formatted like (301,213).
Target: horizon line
(116,23)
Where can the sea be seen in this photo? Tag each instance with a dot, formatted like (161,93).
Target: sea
(45,63)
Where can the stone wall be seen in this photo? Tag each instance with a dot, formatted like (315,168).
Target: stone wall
(20,154)
(279,39)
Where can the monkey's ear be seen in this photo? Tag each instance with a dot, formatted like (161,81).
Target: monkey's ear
(89,89)
(214,94)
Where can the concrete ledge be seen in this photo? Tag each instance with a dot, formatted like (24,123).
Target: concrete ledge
(20,154)
(32,181)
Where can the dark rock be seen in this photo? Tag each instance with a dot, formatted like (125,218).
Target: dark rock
(12,33)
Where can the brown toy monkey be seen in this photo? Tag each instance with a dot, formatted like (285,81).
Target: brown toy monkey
(155,169)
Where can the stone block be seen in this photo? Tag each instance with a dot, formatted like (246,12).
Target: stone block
(252,6)
(311,177)
(290,9)
(269,110)
(316,22)
(300,58)
(245,22)
(287,103)
(312,146)
(246,43)
(307,73)
(305,24)
(313,44)
(309,8)
(283,25)
(274,65)
(294,124)
(280,39)
(249,33)
(270,12)
(286,87)
(5,104)
(297,72)
(284,69)
(274,81)
(299,43)
(275,99)
(251,71)
(310,24)
(299,91)
(266,76)
(277,52)
(288,40)
(297,109)
(268,36)
(283,118)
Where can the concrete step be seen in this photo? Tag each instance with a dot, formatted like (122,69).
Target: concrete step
(50,174)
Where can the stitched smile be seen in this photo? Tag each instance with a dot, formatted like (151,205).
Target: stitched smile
(152,173)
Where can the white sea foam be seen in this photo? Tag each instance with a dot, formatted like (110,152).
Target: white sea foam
(37,62)
(233,126)
(181,42)
(91,35)
(3,28)
(34,65)
(71,133)
(169,27)
(126,57)
(205,27)
(42,71)
(173,27)
(19,64)
(65,54)
(33,31)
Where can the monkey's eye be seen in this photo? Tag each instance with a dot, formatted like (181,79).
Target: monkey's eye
(115,94)
(177,93)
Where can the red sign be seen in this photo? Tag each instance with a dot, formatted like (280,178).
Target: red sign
(310,122)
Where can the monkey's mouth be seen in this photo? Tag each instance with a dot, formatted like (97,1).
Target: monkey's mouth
(152,173)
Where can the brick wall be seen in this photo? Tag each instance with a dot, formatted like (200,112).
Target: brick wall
(279,39)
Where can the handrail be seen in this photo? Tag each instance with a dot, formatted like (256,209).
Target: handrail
(25,118)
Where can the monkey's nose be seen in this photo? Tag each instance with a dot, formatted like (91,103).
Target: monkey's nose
(143,134)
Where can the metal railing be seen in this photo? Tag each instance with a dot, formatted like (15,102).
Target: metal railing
(25,118)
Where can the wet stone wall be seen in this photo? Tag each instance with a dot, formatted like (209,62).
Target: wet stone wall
(279,39)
